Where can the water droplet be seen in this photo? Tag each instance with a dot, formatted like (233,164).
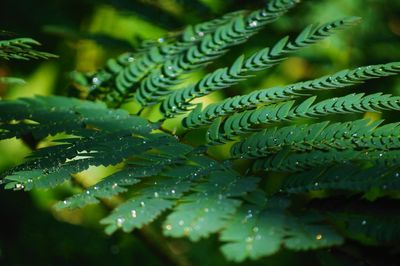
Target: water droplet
(120,221)
(96,80)
(206,210)
(253,24)
(142,204)
(133,213)
(318,237)
(200,33)
(316,184)
(156,194)
(168,227)
(19,187)
(249,239)
(363,222)
(249,216)
(173,191)
(161,40)
(87,192)
(181,223)
(255,229)
(114,186)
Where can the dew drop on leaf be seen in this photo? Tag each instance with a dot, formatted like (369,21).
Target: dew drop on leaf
(19,187)
(253,24)
(120,221)
(168,227)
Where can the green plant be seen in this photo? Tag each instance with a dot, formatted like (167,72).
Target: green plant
(156,170)
(19,49)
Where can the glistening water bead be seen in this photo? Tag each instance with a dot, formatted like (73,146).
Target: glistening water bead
(120,221)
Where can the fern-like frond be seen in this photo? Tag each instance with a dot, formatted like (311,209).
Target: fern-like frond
(360,134)
(43,116)
(119,182)
(152,171)
(125,76)
(94,129)
(344,78)
(179,100)
(158,194)
(22,49)
(353,103)
(80,154)
(377,225)
(157,84)
(260,229)
(343,177)
(206,211)
(191,34)
(282,162)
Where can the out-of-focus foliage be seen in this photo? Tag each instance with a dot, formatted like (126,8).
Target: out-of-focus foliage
(86,33)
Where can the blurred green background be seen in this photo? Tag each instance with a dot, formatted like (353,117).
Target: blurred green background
(85,33)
